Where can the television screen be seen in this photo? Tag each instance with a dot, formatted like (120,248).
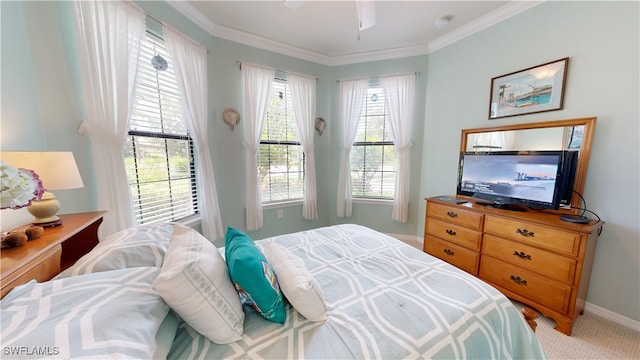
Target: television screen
(532,178)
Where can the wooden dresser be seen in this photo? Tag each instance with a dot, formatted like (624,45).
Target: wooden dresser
(57,249)
(532,257)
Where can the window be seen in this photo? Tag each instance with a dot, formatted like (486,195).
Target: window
(159,152)
(373,164)
(281,159)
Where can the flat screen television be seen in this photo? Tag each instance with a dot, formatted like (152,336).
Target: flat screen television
(536,179)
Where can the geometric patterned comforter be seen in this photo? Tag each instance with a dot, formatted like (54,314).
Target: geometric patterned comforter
(385,300)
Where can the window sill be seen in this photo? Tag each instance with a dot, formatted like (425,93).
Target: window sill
(282,204)
(371,201)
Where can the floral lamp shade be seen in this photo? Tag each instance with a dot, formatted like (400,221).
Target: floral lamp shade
(20,187)
(57,170)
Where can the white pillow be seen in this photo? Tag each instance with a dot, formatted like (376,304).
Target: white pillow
(137,246)
(296,282)
(194,281)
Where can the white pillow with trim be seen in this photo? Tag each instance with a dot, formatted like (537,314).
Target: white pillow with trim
(296,282)
(194,281)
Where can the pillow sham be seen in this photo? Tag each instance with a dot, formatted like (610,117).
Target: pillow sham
(144,245)
(101,315)
(194,281)
(297,284)
(253,277)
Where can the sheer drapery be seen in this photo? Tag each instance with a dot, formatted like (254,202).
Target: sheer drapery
(508,138)
(303,93)
(491,141)
(352,93)
(399,94)
(109,38)
(256,82)
(190,64)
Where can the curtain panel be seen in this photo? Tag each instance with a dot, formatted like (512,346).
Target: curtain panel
(190,60)
(303,91)
(256,87)
(109,35)
(399,93)
(352,93)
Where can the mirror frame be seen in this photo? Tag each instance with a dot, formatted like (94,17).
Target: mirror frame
(589,124)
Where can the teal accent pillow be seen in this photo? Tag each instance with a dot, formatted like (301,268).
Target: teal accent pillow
(253,277)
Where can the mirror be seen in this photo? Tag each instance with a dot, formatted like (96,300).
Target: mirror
(572,134)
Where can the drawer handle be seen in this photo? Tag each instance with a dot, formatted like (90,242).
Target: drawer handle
(522,255)
(525,233)
(517,280)
(451,214)
(450,232)
(448,252)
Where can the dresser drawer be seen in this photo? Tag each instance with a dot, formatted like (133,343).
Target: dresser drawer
(42,268)
(455,215)
(555,266)
(458,256)
(561,241)
(547,292)
(454,233)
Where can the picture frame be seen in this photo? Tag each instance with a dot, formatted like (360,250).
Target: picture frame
(533,90)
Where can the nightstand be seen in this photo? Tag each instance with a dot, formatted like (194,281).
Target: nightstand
(57,249)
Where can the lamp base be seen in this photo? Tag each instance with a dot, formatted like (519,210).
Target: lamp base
(45,210)
(49,224)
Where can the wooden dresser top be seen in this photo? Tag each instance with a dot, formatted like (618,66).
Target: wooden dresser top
(14,258)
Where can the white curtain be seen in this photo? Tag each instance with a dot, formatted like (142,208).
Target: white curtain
(508,138)
(303,93)
(491,141)
(109,38)
(352,93)
(399,94)
(190,64)
(256,82)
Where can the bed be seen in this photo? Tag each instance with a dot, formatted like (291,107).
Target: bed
(149,292)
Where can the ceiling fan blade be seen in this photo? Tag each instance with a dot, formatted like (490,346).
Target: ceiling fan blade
(366,10)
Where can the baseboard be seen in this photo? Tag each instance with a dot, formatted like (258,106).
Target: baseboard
(610,315)
(589,307)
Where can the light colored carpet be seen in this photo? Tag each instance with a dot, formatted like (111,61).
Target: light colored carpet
(592,337)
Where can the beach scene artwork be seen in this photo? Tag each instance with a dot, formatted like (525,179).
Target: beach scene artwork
(531,90)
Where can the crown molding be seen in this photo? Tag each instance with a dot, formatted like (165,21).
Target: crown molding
(511,9)
(502,13)
(379,55)
(278,47)
(259,42)
(193,14)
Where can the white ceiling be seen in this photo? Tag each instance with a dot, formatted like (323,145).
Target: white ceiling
(326,32)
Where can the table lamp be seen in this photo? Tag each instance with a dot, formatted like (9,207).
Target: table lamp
(57,170)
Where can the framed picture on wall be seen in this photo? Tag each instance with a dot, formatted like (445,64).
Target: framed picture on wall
(533,90)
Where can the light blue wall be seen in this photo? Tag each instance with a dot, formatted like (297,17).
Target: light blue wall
(226,145)
(59,92)
(18,85)
(42,106)
(602,41)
